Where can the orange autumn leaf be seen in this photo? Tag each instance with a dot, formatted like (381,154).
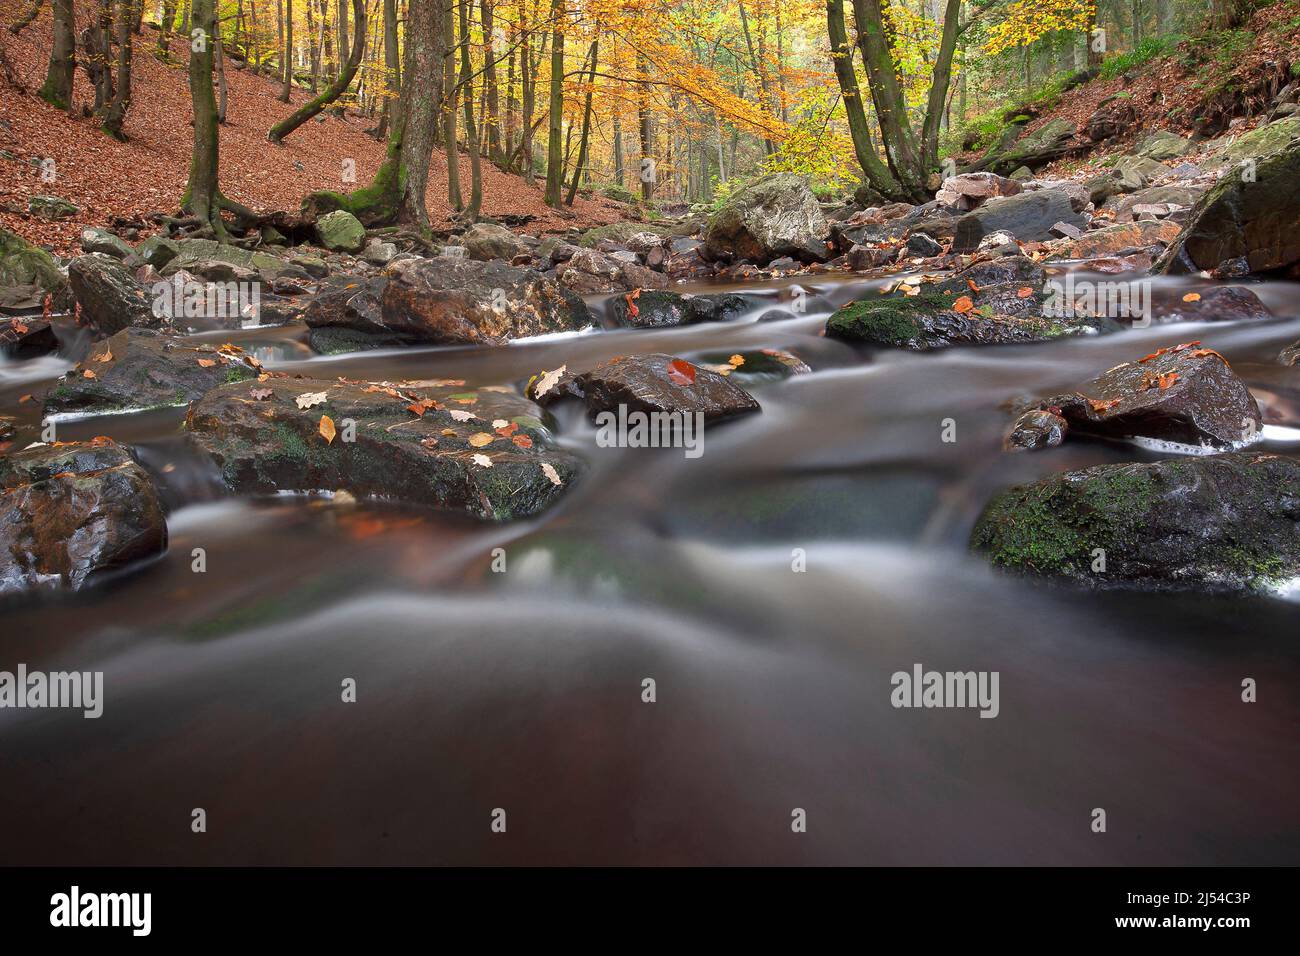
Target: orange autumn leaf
(630,299)
(1167,379)
(327,428)
(1099,405)
(1192,297)
(972,286)
(964,304)
(207,363)
(88,374)
(523,441)
(681,373)
(1024,292)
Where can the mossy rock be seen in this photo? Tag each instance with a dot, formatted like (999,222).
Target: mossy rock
(1222,522)
(24,264)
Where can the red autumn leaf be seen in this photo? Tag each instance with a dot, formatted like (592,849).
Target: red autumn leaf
(630,299)
(681,373)
(523,441)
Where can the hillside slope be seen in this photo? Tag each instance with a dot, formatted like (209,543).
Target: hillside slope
(108,179)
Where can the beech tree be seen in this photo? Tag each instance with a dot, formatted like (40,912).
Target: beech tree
(336,89)
(57,89)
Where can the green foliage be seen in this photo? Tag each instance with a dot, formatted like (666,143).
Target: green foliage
(1146,51)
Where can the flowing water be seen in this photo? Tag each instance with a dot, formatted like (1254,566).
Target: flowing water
(522,690)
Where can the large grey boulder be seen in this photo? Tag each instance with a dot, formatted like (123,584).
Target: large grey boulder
(1245,224)
(774,216)
(1028,216)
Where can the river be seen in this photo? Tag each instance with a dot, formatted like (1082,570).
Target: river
(479,689)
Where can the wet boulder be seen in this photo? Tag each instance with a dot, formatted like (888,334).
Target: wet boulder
(1127,174)
(347,316)
(27,337)
(1261,141)
(662,383)
(1218,522)
(774,216)
(1246,223)
(110,297)
(444,446)
(1035,429)
(141,368)
(450,301)
(73,511)
(1225,303)
(1028,216)
(1185,394)
(658,309)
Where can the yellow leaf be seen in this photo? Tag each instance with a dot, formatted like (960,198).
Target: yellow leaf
(327,428)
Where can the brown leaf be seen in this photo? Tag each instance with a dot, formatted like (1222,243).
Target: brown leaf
(964,304)
(327,428)
(260,394)
(523,441)
(207,363)
(681,373)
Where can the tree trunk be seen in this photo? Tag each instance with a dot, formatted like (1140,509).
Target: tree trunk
(121,102)
(586,126)
(491,112)
(221,71)
(342,17)
(168,24)
(202,197)
(336,89)
(26,19)
(449,110)
(471,131)
(392,67)
(645,168)
(554,141)
(528,80)
(57,89)
(288,51)
(878,175)
(620,174)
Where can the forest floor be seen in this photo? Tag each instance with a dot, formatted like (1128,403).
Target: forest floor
(1196,89)
(147,173)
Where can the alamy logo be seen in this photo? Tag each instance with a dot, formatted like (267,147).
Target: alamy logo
(75,908)
(922,688)
(80,690)
(636,429)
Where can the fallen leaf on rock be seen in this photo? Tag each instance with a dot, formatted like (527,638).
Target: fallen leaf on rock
(970,284)
(681,373)
(260,394)
(88,374)
(310,399)
(106,357)
(500,423)
(1024,292)
(736,361)
(460,415)
(480,439)
(548,380)
(1100,405)
(1192,297)
(327,428)
(25,398)
(630,299)
(549,471)
(523,441)
(1167,379)
(964,304)
(207,363)
(483,461)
